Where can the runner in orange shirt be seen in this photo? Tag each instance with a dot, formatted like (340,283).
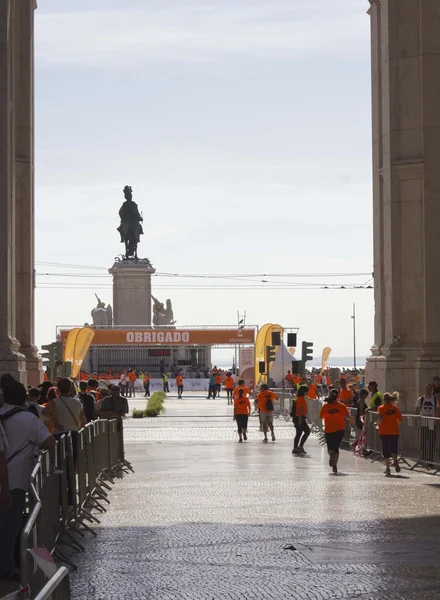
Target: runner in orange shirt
(334,414)
(239,387)
(242,411)
(345,395)
(289,378)
(218,383)
(179,384)
(388,423)
(229,386)
(313,391)
(264,401)
(147,380)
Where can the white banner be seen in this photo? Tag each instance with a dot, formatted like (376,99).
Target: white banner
(156,385)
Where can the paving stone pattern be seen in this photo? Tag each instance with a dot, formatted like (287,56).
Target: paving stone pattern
(213,519)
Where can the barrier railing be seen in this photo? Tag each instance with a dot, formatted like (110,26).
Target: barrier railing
(65,486)
(419,439)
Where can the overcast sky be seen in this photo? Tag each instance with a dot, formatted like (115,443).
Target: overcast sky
(243,127)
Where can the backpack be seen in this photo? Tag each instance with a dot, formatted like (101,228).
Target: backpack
(269,404)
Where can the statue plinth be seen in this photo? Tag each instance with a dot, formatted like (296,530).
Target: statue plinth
(132,292)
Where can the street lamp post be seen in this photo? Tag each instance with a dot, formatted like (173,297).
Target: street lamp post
(354,335)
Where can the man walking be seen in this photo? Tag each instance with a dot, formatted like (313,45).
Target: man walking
(166,387)
(147,380)
(427,406)
(131,383)
(211,392)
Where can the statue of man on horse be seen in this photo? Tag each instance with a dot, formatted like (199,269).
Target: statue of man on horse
(130,227)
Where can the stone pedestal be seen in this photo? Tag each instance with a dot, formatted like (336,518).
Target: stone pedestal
(406,195)
(132,292)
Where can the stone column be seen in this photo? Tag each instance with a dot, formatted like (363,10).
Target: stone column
(24,187)
(406,194)
(10,358)
(131,293)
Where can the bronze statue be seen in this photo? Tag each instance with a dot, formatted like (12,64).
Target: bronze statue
(102,316)
(162,316)
(130,227)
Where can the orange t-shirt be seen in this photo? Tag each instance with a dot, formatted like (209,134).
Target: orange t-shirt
(391,417)
(246,390)
(218,379)
(296,379)
(132,376)
(229,383)
(242,406)
(262,399)
(146,378)
(301,403)
(334,414)
(289,377)
(179,380)
(312,393)
(346,397)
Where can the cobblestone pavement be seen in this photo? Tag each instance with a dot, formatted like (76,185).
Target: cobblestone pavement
(214,519)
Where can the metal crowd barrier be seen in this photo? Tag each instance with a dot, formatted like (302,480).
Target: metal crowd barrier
(283,404)
(66,485)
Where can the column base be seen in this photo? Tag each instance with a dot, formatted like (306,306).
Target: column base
(405,370)
(12,361)
(34,366)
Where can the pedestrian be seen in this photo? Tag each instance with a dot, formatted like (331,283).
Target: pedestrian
(33,403)
(25,435)
(179,384)
(166,387)
(211,389)
(147,380)
(360,421)
(218,383)
(334,414)
(229,387)
(299,415)
(345,394)
(93,389)
(131,383)
(123,383)
(264,401)
(427,407)
(242,411)
(87,400)
(388,425)
(376,397)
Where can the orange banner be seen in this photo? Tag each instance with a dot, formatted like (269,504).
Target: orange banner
(82,344)
(172,337)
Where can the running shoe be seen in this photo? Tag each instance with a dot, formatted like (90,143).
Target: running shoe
(388,472)
(273,437)
(296,451)
(335,469)
(301,450)
(240,441)
(397,467)
(245,437)
(265,441)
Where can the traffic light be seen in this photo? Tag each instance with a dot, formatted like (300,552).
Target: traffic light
(262,367)
(307,351)
(276,338)
(53,360)
(291,340)
(270,353)
(297,367)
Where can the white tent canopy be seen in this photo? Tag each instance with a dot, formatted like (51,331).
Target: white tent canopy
(282,363)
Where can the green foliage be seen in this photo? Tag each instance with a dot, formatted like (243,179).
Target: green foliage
(155,404)
(151,412)
(138,414)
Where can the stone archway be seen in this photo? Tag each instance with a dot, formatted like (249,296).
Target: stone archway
(405,38)
(18,354)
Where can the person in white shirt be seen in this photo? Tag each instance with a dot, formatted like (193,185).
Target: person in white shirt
(25,434)
(427,406)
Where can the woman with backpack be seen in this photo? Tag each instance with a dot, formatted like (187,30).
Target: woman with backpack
(299,414)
